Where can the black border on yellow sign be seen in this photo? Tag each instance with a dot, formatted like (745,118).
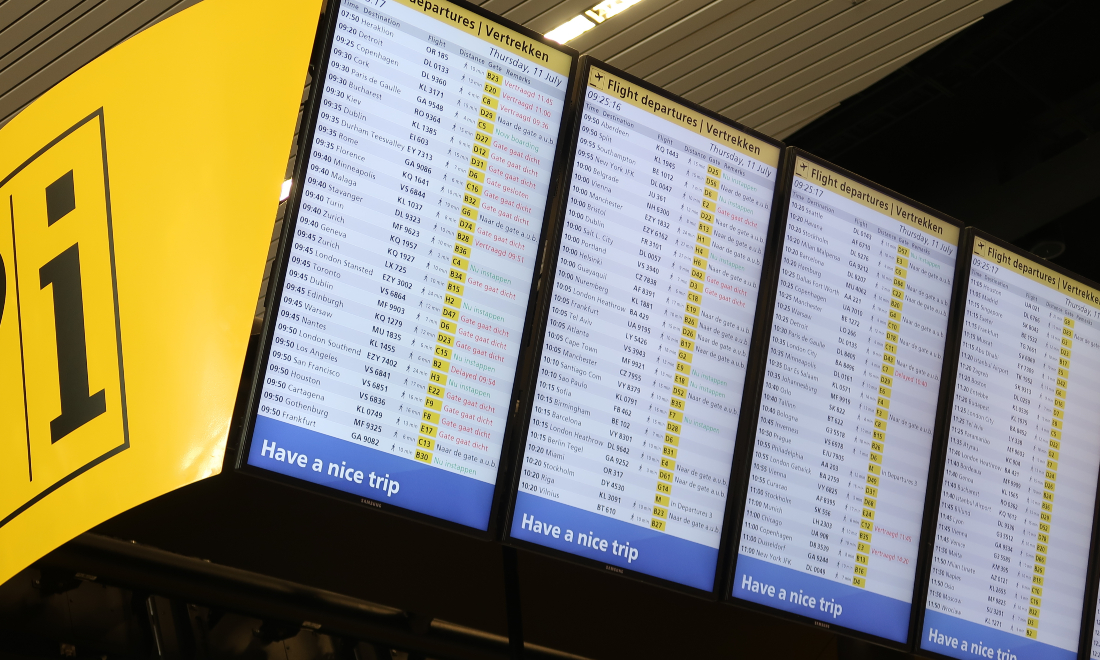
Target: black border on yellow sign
(318,69)
(757,350)
(944,409)
(784,188)
(98,114)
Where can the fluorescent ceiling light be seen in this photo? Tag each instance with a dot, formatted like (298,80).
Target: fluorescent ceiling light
(285,192)
(576,26)
(606,10)
(582,23)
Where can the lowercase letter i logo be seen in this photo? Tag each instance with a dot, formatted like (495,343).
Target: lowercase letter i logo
(63,399)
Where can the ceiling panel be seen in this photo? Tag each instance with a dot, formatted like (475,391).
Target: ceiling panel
(656,57)
(42,45)
(781,32)
(500,6)
(13,11)
(539,15)
(62,33)
(556,13)
(793,45)
(831,63)
(631,26)
(34,27)
(795,118)
(772,64)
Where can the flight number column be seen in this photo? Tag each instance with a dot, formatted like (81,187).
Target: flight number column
(460,262)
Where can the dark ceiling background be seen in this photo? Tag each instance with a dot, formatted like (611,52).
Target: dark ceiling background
(997,127)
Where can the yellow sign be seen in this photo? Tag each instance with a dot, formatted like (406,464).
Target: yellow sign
(136,205)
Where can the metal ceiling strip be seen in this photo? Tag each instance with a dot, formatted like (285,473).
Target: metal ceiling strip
(10,12)
(791,129)
(79,43)
(57,44)
(36,27)
(538,15)
(792,120)
(593,42)
(851,61)
(500,6)
(650,19)
(842,84)
(796,117)
(552,14)
(721,45)
(675,40)
(816,41)
(174,7)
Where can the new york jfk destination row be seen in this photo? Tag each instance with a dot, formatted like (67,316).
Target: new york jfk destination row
(750,373)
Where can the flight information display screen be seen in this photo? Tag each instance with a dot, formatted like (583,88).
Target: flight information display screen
(839,471)
(635,410)
(1015,516)
(397,331)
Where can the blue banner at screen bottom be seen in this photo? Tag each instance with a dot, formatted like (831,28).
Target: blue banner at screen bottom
(815,597)
(958,638)
(613,542)
(370,473)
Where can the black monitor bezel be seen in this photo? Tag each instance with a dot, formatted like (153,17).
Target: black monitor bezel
(319,63)
(947,397)
(787,187)
(551,259)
